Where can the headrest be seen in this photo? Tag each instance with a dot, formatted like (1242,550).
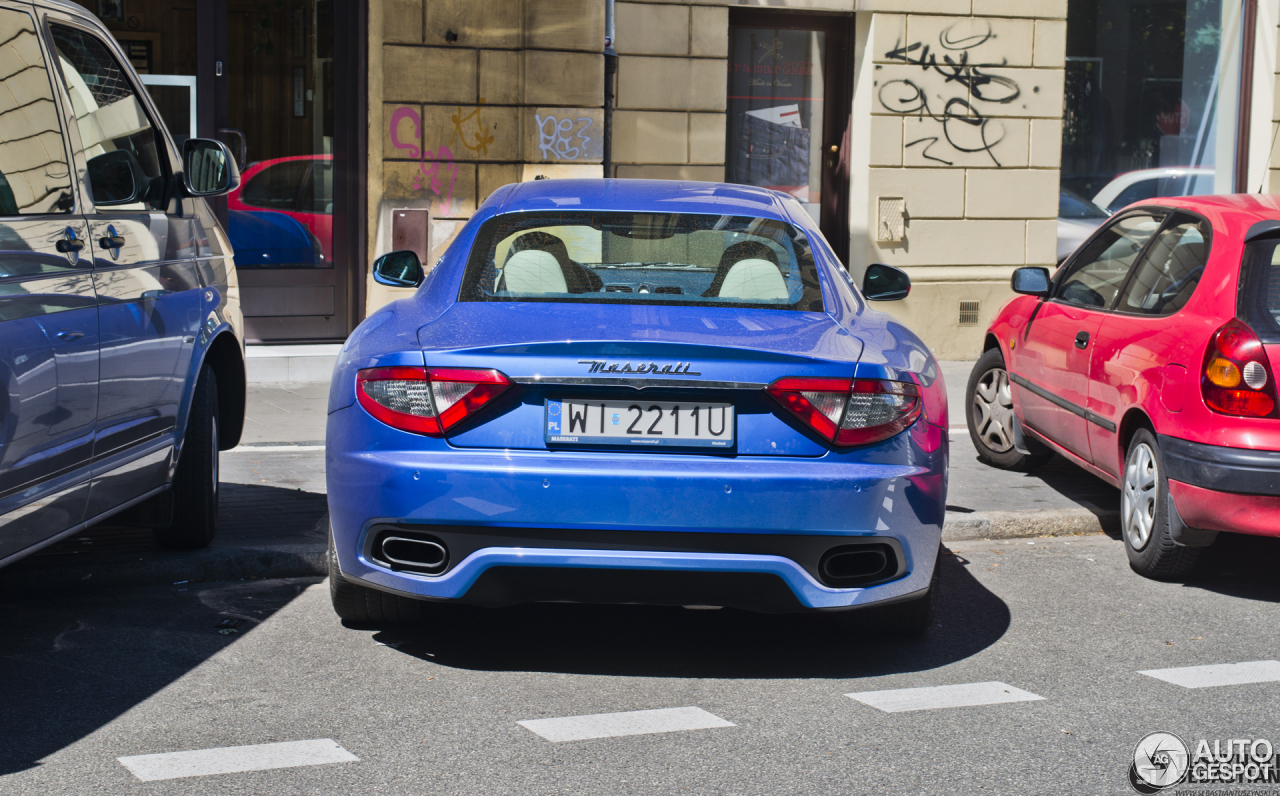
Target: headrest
(534,271)
(754,280)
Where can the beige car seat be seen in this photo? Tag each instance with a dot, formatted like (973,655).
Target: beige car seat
(754,280)
(534,271)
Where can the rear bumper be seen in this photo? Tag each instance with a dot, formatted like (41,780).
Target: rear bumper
(1213,510)
(895,491)
(1239,471)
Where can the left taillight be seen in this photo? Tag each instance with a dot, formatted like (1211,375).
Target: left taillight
(1236,377)
(850,412)
(427,400)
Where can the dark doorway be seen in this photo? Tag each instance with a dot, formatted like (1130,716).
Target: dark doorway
(789,103)
(282,84)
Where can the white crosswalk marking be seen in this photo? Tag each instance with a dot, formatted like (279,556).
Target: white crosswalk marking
(635,722)
(943,696)
(233,759)
(1219,674)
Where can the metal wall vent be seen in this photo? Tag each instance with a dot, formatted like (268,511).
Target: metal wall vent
(969,313)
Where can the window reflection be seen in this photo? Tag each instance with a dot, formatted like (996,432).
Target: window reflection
(34,177)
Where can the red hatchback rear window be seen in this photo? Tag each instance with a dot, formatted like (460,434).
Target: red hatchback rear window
(1259,302)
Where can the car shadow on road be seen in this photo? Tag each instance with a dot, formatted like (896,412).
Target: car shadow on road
(1085,490)
(1239,565)
(675,642)
(72,663)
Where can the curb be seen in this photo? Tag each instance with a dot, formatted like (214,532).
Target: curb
(295,561)
(1021,524)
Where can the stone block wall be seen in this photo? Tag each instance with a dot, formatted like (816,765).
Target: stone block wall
(669,117)
(468,95)
(959,106)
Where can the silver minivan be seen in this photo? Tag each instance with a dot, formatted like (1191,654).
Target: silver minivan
(121,345)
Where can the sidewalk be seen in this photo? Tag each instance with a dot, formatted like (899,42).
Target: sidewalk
(273,517)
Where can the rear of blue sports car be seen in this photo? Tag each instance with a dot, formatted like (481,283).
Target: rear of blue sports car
(631,392)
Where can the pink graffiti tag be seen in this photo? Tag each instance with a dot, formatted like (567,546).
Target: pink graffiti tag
(429,163)
(411,115)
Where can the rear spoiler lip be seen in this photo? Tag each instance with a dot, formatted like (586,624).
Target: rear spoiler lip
(1262,229)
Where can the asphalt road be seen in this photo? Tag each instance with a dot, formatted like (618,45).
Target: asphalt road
(96,676)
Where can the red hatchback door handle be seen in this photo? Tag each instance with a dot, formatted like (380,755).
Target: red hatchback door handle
(1082,340)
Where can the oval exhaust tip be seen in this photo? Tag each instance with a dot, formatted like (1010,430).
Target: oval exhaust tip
(418,554)
(852,564)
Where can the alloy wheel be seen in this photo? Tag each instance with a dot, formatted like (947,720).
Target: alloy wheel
(993,411)
(1138,496)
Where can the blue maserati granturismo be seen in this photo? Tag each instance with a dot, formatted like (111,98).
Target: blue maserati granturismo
(627,391)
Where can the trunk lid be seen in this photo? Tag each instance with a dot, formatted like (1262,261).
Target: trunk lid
(641,355)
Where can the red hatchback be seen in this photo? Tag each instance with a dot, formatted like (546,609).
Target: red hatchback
(1149,359)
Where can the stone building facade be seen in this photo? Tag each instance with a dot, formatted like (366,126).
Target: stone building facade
(946,147)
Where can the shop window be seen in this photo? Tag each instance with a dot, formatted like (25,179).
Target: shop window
(276,187)
(1150,85)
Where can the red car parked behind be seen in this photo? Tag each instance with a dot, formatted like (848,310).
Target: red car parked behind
(1149,359)
(300,187)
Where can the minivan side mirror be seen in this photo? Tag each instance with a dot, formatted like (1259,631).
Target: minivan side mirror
(885,283)
(208,168)
(398,269)
(1031,281)
(116,178)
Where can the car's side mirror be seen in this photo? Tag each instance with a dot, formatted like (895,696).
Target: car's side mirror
(885,283)
(116,178)
(398,269)
(208,168)
(1031,281)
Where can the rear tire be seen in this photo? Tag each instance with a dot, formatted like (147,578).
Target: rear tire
(195,484)
(360,605)
(1144,514)
(990,417)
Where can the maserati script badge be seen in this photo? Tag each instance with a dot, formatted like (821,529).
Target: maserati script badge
(678,369)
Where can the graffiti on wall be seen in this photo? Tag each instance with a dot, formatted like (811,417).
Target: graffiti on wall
(434,167)
(965,128)
(563,138)
(482,137)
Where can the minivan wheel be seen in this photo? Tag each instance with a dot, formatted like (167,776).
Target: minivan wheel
(1144,514)
(991,419)
(195,484)
(360,605)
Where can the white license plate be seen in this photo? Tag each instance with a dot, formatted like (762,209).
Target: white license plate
(639,423)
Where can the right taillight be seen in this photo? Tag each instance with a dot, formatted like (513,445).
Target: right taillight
(850,411)
(427,400)
(1236,378)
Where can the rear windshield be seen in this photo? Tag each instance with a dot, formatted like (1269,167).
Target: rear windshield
(1259,302)
(673,259)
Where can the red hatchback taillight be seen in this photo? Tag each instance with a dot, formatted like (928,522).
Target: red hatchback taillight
(427,400)
(1236,378)
(850,411)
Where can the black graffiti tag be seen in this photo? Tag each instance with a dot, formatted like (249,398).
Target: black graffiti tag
(964,126)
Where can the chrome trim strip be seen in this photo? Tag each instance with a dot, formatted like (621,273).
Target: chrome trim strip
(641,384)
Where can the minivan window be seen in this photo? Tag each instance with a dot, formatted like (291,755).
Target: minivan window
(1167,276)
(671,259)
(113,123)
(34,177)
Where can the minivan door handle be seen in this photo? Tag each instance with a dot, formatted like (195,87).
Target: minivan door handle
(66,246)
(1082,340)
(69,335)
(112,242)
